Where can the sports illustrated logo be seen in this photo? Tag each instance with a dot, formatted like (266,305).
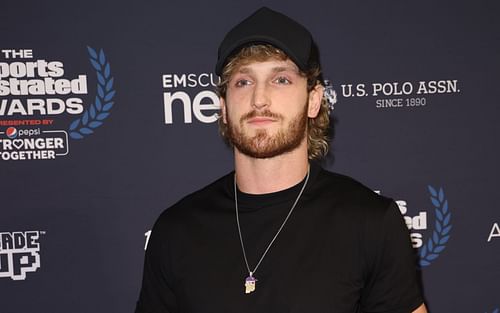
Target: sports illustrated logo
(430,249)
(400,95)
(193,94)
(494,233)
(36,99)
(19,254)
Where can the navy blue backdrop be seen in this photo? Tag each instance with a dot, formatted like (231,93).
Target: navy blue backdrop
(107,117)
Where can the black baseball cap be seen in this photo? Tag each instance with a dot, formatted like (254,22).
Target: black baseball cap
(266,26)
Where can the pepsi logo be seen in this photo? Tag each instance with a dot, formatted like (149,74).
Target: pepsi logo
(11,132)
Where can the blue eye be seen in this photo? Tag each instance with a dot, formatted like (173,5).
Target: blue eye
(242,83)
(282,80)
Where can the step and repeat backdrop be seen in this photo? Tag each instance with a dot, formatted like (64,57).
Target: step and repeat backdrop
(108,116)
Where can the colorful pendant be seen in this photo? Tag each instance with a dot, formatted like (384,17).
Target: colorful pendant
(250,284)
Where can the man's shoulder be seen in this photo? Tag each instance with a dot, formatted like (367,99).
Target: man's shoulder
(350,192)
(200,199)
(347,186)
(215,189)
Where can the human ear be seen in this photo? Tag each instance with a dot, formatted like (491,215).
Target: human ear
(315,99)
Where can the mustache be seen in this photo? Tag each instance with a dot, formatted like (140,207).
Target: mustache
(265,113)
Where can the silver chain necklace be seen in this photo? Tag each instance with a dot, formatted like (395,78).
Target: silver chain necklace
(250,281)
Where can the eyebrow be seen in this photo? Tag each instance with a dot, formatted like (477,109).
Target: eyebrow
(285,68)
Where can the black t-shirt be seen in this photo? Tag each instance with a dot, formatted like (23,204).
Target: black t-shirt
(344,249)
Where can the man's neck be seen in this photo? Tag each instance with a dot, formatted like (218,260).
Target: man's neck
(259,176)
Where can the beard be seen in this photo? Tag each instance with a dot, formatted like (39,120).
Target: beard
(263,145)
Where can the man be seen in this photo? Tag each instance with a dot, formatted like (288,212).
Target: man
(279,234)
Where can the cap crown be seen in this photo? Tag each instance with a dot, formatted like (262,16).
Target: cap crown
(266,26)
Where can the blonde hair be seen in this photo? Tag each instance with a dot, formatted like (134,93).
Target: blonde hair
(317,128)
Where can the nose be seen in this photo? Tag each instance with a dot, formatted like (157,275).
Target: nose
(260,98)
